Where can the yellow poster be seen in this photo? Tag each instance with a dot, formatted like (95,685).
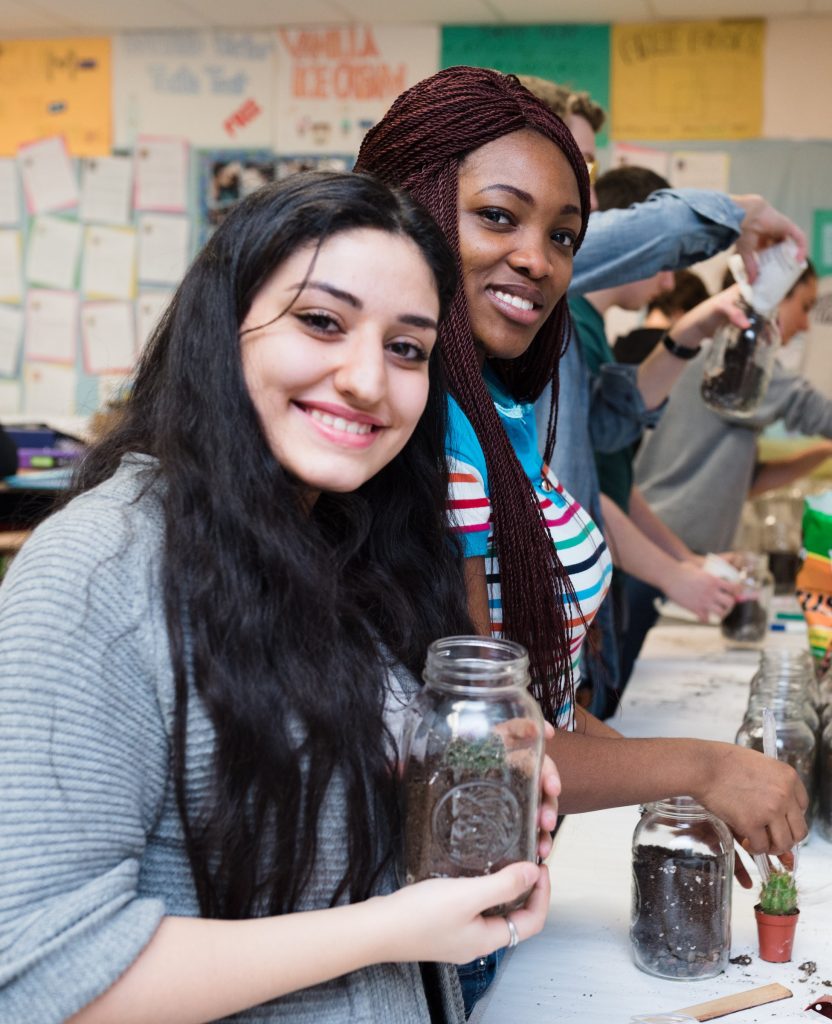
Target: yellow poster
(56,87)
(688,80)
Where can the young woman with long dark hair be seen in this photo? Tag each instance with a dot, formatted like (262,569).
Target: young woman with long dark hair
(202,654)
(507,184)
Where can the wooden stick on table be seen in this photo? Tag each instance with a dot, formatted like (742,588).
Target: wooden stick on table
(737,1001)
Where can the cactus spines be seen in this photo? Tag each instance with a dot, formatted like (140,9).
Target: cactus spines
(779,894)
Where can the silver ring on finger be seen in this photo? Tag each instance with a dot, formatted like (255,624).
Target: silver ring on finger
(513,937)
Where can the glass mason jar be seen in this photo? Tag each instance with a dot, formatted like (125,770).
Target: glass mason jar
(739,364)
(825,784)
(683,868)
(747,622)
(788,674)
(472,753)
(796,742)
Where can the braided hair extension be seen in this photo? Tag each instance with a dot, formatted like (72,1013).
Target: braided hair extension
(419,145)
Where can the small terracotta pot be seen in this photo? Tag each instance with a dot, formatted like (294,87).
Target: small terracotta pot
(776,935)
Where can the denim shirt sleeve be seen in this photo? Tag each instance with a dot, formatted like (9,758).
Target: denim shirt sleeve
(617,413)
(672,229)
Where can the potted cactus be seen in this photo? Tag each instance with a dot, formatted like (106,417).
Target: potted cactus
(777,915)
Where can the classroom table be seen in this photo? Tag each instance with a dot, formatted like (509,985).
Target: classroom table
(580,969)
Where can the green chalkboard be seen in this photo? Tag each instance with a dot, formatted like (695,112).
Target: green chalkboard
(573,55)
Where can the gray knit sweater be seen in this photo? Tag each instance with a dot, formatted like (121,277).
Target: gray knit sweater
(91,848)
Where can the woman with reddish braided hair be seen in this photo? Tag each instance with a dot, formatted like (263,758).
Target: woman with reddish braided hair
(506,182)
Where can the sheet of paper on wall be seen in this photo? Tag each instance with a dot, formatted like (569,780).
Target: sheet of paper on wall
(9,193)
(109,269)
(11,267)
(51,326)
(700,169)
(10,395)
(49,390)
(163,248)
(49,181)
(149,309)
(11,339)
(53,252)
(626,155)
(109,337)
(106,190)
(161,169)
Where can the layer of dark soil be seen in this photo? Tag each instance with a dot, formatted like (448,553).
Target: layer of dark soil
(746,622)
(740,385)
(783,566)
(464,824)
(679,928)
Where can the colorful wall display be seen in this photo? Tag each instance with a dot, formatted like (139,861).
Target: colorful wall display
(573,55)
(688,80)
(56,87)
(334,83)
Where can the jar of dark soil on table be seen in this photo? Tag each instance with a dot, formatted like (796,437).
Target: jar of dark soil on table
(747,622)
(683,867)
(472,752)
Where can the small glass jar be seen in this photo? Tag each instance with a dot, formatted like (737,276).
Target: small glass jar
(747,622)
(683,868)
(739,364)
(797,744)
(472,751)
(824,817)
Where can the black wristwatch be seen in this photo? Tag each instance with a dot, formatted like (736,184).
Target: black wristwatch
(680,351)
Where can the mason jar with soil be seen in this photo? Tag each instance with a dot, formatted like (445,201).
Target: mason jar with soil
(472,754)
(683,865)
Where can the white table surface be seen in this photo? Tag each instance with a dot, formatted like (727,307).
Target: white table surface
(579,969)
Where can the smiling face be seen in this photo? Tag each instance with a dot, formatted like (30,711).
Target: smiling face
(340,379)
(519,216)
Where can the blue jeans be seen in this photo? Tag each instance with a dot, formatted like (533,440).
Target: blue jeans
(642,614)
(476,976)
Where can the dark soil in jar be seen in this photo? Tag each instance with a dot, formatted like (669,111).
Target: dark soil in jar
(746,622)
(783,566)
(740,384)
(680,926)
(462,823)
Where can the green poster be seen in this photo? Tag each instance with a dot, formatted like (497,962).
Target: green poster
(822,242)
(573,55)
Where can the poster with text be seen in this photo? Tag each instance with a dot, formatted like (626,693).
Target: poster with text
(55,87)
(214,86)
(334,83)
(688,80)
(575,56)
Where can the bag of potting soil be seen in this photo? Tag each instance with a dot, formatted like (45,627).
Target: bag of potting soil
(814,579)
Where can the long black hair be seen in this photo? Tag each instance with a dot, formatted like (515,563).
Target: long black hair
(277,616)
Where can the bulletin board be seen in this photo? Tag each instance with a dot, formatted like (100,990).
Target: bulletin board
(688,80)
(577,56)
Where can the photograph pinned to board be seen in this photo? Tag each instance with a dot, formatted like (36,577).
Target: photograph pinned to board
(287,165)
(225,177)
(107,190)
(47,175)
(9,193)
(51,326)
